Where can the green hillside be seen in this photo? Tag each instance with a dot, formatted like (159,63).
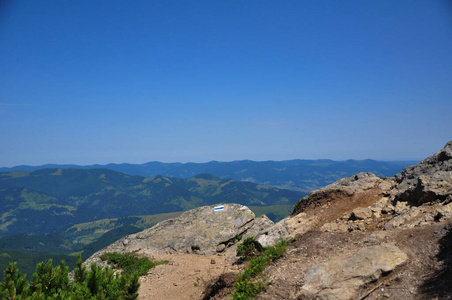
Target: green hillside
(88,238)
(52,200)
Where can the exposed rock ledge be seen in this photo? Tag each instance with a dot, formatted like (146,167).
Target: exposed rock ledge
(366,202)
(203,230)
(419,198)
(341,279)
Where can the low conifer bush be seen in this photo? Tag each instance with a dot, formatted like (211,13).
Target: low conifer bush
(97,283)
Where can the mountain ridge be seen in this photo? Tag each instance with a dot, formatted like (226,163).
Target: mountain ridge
(49,200)
(298,174)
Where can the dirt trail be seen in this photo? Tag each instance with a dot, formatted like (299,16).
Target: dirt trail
(184,277)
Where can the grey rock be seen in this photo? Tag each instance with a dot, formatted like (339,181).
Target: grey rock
(334,227)
(401,206)
(360,181)
(388,209)
(341,279)
(221,247)
(345,187)
(375,237)
(286,228)
(201,231)
(345,216)
(356,226)
(274,234)
(403,219)
(259,224)
(443,212)
(427,181)
(382,205)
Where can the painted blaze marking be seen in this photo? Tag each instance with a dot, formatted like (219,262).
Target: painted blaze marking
(217,208)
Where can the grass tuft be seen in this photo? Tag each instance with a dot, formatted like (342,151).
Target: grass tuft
(130,263)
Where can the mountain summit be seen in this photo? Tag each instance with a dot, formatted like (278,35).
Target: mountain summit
(362,237)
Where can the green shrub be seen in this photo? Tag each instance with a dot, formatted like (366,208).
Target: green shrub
(245,287)
(130,263)
(13,284)
(53,283)
(249,248)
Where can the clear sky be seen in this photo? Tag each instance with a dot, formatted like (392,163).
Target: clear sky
(89,82)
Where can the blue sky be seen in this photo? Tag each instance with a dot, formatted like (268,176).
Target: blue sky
(135,81)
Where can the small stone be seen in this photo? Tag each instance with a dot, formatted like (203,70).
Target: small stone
(221,247)
(345,216)
(212,261)
(361,213)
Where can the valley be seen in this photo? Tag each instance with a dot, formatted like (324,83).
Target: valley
(59,212)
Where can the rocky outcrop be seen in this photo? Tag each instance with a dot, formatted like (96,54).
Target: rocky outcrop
(342,279)
(204,230)
(427,181)
(285,229)
(340,206)
(369,202)
(345,187)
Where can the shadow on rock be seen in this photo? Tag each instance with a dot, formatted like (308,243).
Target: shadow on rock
(439,285)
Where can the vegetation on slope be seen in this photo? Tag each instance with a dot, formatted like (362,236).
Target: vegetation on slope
(52,200)
(53,283)
(130,263)
(247,286)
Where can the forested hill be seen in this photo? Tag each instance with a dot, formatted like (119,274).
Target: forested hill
(302,175)
(51,200)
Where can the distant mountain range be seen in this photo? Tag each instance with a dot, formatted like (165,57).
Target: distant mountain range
(54,211)
(51,200)
(301,175)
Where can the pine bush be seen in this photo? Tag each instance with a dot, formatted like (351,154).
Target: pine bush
(53,283)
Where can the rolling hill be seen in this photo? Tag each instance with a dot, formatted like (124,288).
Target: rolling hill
(52,200)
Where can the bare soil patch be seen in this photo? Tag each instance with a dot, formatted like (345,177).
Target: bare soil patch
(184,277)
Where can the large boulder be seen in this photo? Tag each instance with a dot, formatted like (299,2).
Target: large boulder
(427,181)
(204,230)
(342,279)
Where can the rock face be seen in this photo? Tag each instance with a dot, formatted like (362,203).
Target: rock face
(341,279)
(344,187)
(285,229)
(427,181)
(382,212)
(365,201)
(204,230)
(321,208)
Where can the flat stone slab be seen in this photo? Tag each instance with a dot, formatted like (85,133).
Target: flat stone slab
(341,279)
